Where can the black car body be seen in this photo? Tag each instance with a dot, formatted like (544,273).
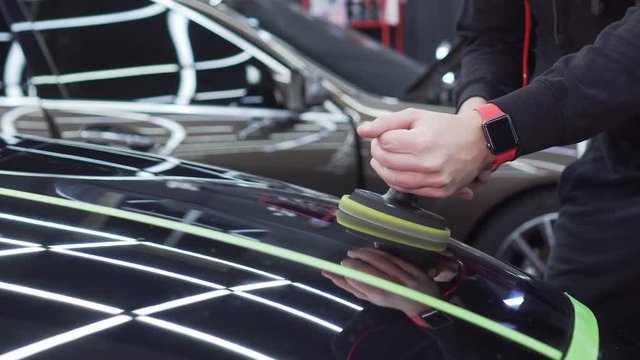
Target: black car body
(202,83)
(102,257)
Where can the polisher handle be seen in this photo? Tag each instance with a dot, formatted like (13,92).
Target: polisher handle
(399,198)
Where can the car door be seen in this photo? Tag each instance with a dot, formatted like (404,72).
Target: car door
(160,76)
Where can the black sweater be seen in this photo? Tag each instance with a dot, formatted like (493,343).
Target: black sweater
(595,87)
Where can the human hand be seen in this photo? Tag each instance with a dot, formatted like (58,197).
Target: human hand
(383,265)
(428,153)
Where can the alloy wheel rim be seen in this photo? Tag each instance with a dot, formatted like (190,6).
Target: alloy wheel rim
(529,245)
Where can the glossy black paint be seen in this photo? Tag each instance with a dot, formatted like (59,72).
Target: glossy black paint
(142,265)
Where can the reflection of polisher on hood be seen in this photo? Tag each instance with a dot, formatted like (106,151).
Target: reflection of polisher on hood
(394,222)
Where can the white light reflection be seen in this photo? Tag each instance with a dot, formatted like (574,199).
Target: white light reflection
(290,310)
(219,95)
(8,119)
(69,336)
(515,300)
(443,50)
(106,74)
(449,78)
(85,21)
(20,251)
(59,298)
(5,37)
(328,296)
(281,71)
(262,285)
(203,337)
(167,164)
(95,245)
(141,268)
(131,71)
(223,62)
(13,71)
(65,227)
(181,302)
(215,260)
(72,157)
(17,242)
(178,26)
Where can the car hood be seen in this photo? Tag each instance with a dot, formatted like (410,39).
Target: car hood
(105,251)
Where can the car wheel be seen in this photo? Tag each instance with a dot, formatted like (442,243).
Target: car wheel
(521,231)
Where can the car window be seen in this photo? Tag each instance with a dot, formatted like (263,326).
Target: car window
(12,69)
(140,50)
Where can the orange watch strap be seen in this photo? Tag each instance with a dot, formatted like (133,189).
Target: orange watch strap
(491,111)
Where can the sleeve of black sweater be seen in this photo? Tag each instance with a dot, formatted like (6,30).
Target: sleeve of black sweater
(584,93)
(492,32)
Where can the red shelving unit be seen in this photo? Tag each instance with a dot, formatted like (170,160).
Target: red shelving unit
(386,29)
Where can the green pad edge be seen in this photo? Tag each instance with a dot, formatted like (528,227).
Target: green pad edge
(353,207)
(393,237)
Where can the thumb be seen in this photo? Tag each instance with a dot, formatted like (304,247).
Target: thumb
(399,120)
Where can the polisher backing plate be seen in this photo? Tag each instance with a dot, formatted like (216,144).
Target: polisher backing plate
(391,228)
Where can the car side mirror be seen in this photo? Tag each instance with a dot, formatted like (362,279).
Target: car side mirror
(302,91)
(314,92)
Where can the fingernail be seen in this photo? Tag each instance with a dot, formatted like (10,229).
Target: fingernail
(351,253)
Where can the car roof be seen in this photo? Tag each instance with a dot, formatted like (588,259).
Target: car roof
(216,262)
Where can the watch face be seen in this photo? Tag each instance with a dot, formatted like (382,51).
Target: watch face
(500,134)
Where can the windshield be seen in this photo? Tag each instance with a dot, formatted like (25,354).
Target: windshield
(347,53)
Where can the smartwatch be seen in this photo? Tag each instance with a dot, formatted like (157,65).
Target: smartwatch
(500,133)
(433,319)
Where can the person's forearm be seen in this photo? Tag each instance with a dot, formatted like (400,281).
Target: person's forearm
(492,32)
(583,94)
(471,104)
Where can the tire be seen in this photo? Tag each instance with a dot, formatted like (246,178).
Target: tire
(520,232)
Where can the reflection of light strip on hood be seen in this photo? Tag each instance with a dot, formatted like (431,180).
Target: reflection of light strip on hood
(65,227)
(72,157)
(178,26)
(59,298)
(141,268)
(95,245)
(262,285)
(85,21)
(224,62)
(463,314)
(72,335)
(20,251)
(181,302)
(106,74)
(17,242)
(5,37)
(168,164)
(203,337)
(328,296)
(219,95)
(216,260)
(13,71)
(290,310)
